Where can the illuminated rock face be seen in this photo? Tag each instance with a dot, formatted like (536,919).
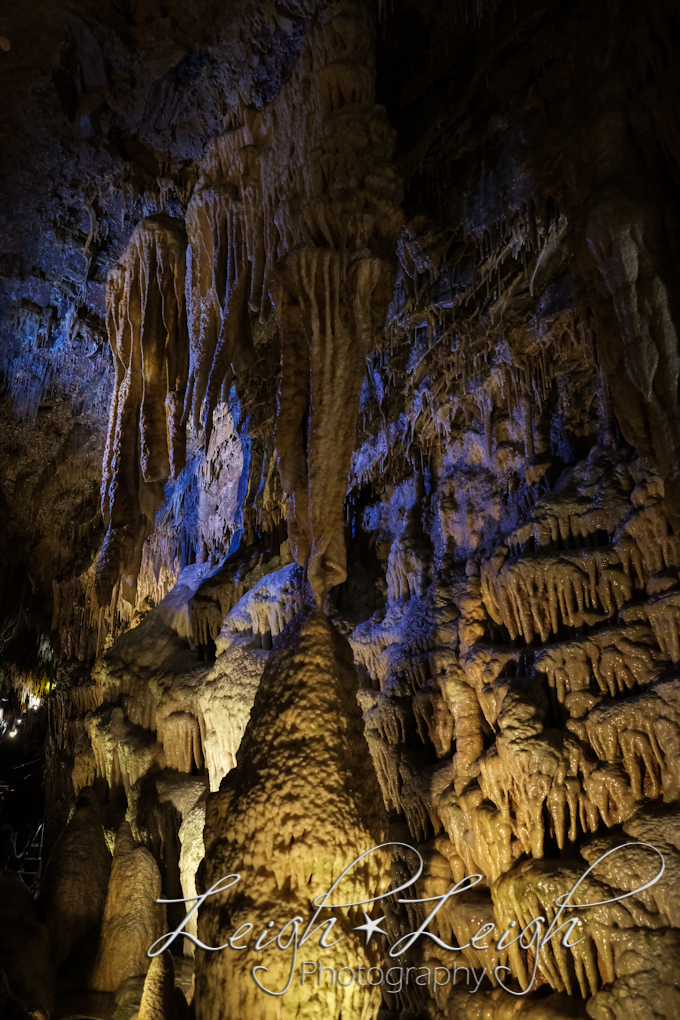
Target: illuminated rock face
(300,806)
(545,691)
(158,997)
(311,228)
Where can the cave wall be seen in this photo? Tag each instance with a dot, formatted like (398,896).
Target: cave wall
(364,313)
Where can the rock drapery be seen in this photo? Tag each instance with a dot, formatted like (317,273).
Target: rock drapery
(311,228)
(146,444)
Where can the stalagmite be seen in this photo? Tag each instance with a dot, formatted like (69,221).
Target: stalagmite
(132,920)
(301,805)
(146,440)
(191,854)
(158,997)
(75,885)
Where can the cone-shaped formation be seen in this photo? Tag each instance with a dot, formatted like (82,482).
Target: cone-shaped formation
(76,880)
(132,920)
(301,805)
(158,997)
(146,441)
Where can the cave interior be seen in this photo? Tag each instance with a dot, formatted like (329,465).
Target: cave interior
(339,489)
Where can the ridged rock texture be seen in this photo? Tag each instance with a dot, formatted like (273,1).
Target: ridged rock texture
(132,920)
(340,446)
(158,997)
(300,806)
(146,444)
(311,228)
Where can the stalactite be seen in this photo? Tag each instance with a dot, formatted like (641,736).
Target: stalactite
(226,263)
(322,247)
(146,319)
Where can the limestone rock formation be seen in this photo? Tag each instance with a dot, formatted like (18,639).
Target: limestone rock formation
(333,283)
(158,997)
(322,250)
(298,809)
(339,432)
(191,855)
(146,444)
(132,920)
(74,889)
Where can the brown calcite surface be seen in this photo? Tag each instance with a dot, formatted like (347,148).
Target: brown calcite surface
(132,920)
(339,446)
(158,997)
(301,805)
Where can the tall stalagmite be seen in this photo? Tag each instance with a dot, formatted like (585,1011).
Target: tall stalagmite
(132,919)
(73,892)
(301,805)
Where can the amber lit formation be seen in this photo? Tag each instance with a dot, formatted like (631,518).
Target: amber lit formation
(300,806)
